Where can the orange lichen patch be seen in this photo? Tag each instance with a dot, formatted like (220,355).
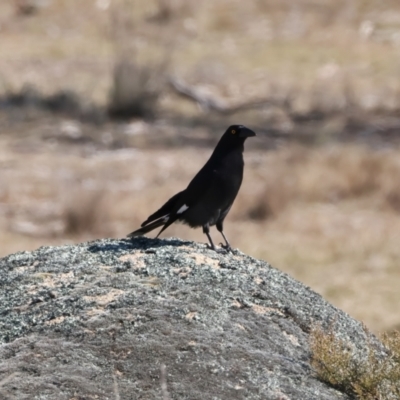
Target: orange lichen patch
(39,276)
(55,321)
(186,248)
(105,267)
(136,259)
(103,300)
(200,260)
(264,310)
(293,339)
(54,280)
(23,268)
(260,309)
(258,280)
(151,281)
(191,315)
(48,280)
(236,304)
(95,311)
(241,327)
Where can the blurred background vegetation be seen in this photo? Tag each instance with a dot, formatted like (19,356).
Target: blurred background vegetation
(108,107)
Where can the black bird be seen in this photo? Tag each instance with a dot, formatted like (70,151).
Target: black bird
(211,193)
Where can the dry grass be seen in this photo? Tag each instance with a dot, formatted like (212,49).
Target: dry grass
(369,376)
(251,49)
(86,212)
(328,175)
(136,90)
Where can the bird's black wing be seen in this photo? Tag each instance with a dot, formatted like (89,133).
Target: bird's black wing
(165,210)
(196,188)
(160,217)
(199,185)
(213,202)
(175,207)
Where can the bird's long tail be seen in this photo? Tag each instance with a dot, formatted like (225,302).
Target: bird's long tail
(142,231)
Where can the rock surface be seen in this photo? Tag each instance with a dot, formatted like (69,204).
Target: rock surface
(100,320)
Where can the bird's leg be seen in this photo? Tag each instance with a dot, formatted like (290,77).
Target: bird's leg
(227,245)
(220,229)
(206,230)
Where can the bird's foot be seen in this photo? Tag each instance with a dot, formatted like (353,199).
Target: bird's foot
(222,250)
(226,247)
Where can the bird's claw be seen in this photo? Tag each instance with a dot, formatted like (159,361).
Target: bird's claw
(209,246)
(226,247)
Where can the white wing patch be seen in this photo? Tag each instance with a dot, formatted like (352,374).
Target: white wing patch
(166,218)
(182,209)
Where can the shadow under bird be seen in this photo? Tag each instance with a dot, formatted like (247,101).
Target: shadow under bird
(210,195)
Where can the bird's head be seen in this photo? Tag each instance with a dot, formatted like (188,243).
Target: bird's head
(233,138)
(238,133)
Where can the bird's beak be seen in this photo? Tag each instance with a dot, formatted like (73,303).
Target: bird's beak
(246,132)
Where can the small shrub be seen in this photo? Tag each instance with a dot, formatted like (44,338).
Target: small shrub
(392,341)
(274,199)
(374,376)
(87,213)
(392,199)
(136,90)
(260,211)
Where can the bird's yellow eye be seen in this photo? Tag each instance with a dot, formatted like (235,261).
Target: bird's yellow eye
(233,131)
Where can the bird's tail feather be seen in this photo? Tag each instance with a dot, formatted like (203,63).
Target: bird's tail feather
(142,231)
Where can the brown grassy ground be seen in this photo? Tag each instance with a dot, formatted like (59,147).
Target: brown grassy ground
(233,49)
(327,214)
